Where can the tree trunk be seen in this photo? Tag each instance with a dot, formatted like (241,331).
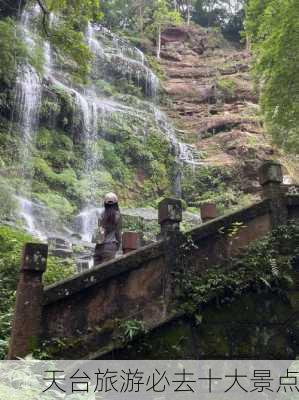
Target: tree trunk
(188,12)
(159,42)
(141,19)
(248,43)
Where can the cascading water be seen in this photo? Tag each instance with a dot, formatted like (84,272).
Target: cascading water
(28,101)
(86,222)
(129,61)
(28,96)
(26,213)
(93,113)
(93,44)
(28,86)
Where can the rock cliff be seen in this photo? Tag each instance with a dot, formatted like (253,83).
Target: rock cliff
(215,104)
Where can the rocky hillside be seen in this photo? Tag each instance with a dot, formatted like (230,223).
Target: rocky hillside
(215,105)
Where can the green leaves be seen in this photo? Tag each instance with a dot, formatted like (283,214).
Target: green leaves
(131,328)
(273,30)
(164,15)
(13,50)
(265,266)
(11,245)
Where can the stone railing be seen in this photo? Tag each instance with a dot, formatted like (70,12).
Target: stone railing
(84,309)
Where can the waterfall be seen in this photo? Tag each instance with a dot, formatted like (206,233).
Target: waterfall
(126,59)
(28,94)
(26,213)
(28,102)
(93,114)
(48,59)
(190,155)
(93,44)
(86,222)
(28,86)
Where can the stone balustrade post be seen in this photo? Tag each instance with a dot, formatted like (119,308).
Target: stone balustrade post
(130,241)
(26,327)
(208,212)
(170,216)
(271,178)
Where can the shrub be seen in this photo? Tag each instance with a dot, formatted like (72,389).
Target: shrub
(58,203)
(8,203)
(227,86)
(12,242)
(12,50)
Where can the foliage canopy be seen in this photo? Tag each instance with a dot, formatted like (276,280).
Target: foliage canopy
(273,30)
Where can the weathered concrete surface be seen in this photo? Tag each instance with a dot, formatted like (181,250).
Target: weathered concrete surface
(232,331)
(130,241)
(26,327)
(293,206)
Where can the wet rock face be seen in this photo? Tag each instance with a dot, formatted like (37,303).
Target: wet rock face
(214,101)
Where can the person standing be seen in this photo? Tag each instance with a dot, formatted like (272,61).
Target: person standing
(110,225)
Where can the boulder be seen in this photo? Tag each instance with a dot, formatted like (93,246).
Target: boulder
(174,34)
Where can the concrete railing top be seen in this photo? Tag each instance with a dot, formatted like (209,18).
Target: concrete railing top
(135,259)
(102,273)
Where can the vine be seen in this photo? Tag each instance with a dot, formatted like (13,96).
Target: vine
(266,266)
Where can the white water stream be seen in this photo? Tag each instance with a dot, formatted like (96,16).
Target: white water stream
(92,110)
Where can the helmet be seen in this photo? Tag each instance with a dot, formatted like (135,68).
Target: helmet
(111,198)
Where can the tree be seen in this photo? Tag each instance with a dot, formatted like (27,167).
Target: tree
(272,27)
(185,7)
(234,27)
(163,15)
(130,15)
(67,35)
(225,14)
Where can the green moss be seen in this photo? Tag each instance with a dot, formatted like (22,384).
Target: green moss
(114,163)
(227,86)
(58,269)
(37,57)
(66,105)
(58,203)
(10,141)
(156,67)
(266,265)
(13,50)
(8,203)
(56,148)
(50,109)
(106,88)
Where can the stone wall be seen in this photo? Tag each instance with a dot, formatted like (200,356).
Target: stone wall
(256,326)
(139,285)
(83,312)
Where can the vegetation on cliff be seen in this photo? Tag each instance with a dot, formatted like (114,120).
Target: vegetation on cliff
(273,31)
